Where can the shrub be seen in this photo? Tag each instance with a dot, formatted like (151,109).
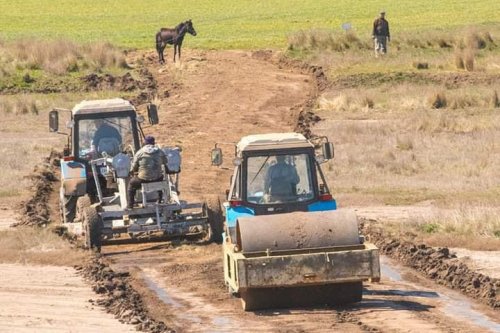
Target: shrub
(438,100)
(495,101)
(430,228)
(421,65)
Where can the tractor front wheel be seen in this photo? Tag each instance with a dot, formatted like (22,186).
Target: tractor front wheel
(68,207)
(92,224)
(215,218)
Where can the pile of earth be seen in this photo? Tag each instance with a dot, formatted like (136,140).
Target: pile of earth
(35,211)
(125,83)
(118,296)
(440,265)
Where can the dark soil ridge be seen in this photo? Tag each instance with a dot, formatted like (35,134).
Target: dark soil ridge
(119,297)
(35,211)
(449,80)
(125,83)
(440,265)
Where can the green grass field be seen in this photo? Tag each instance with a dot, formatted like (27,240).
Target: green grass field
(229,24)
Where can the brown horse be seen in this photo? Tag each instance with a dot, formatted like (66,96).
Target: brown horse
(173,36)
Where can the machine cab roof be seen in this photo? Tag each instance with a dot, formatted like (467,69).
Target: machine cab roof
(272,141)
(104,105)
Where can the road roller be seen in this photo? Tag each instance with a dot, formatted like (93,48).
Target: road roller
(285,243)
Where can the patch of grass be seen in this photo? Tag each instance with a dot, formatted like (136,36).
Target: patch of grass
(60,56)
(227,24)
(322,40)
(430,228)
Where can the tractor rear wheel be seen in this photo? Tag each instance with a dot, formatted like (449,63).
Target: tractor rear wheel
(92,224)
(215,218)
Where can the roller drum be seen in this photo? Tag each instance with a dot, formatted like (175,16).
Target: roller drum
(298,230)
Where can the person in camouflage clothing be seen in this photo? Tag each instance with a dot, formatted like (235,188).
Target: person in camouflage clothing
(147,163)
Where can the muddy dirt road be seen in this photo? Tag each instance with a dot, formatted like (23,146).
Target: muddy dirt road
(219,97)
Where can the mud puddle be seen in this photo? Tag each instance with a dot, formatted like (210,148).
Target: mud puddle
(454,304)
(190,315)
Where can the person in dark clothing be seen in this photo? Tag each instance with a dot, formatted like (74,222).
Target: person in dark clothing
(147,163)
(381,34)
(106,138)
(281,179)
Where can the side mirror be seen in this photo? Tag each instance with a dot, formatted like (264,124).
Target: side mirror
(216,156)
(53,121)
(327,150)
(153,114)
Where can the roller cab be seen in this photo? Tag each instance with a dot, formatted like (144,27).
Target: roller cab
(285,243)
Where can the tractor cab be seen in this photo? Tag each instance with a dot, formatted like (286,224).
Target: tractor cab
(277,173)
(100,127)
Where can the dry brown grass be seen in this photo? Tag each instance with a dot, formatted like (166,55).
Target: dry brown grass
(19,105)
(470,227)
(37,246)
(317,39)
(402,151)
(59,56)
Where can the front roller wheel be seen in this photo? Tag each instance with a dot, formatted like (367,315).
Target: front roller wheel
(292,297)
(92,224)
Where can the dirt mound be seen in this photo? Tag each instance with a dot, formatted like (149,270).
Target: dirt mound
(95,81)
(35,211)
(440,265)
(119,298)
(305,121)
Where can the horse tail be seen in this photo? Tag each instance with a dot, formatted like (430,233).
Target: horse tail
(158,40)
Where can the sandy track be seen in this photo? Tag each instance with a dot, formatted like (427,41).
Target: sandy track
(50,299)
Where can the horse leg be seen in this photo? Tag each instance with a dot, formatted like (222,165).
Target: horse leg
(180,52)
(175,51)
(160,53)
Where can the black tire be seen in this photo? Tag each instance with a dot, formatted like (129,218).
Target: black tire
(93,228)
(215,219)
(68,207)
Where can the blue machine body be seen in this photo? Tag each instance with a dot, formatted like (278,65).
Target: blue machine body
(233,213)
